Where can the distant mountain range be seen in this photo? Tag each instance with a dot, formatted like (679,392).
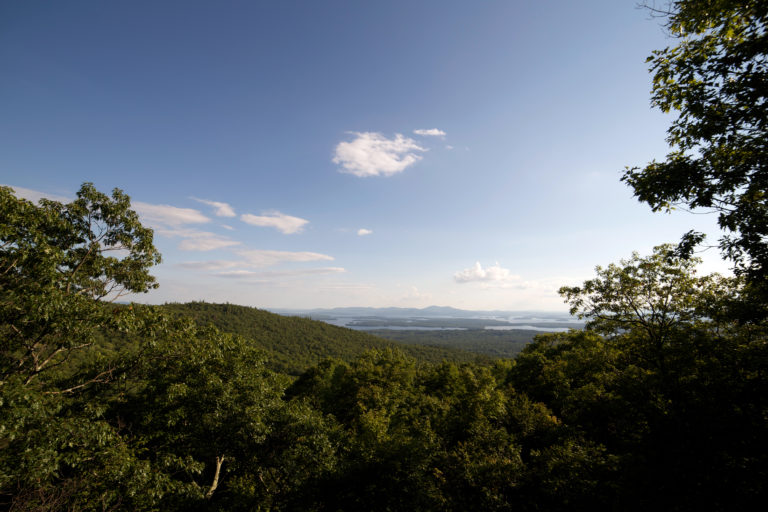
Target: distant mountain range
(428,312)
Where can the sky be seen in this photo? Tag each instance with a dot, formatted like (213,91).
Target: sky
(342,153)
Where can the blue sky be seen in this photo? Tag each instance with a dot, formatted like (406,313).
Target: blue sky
(346,153)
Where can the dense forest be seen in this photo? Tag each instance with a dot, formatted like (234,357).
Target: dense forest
(659,403)
(292,344)
(489,343)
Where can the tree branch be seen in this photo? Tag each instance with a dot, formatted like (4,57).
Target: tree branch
(215,483)
(101,378)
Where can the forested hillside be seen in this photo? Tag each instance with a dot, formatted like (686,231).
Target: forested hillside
(488,342)
(295,343)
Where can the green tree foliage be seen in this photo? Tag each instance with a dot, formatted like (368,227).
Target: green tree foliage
(650,300)
(209,414)
(59,264)
(664,380)
(488,344)
(717,80)
(445,437)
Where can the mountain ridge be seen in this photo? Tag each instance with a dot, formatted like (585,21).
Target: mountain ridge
(427,312)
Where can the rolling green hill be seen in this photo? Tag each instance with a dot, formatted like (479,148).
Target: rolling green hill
(296,343)
(491,343)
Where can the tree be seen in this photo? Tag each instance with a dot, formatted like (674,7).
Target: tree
(665,379)
(201,407)
(121,407)
(716,78)
(651,295)
(58,264)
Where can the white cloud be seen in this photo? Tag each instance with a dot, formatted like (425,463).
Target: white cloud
(195,240)
(169,221)
(372,154)
(166,220)
(266,258)
(221,209)
(256,258)
(163,214)
(152,214)
(206,242)
(432,132)
(156,215)
(493,274)
(209,265)
(448,147)
(363,232)
(414,294)
(36,195)
(280,221)
(286,273)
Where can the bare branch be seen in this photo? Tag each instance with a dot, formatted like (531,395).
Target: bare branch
(100,378)
(215,483)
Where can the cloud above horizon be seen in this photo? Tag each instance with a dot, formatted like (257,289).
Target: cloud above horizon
(156,214)
(492,274)
(256,258)
(415,295)
(266,258)
(432,132)
(194,240)
(364,232)
(284,273)
(36,195)
(167,215)
(220,209)
(170,221)
(286,224)
(373,154)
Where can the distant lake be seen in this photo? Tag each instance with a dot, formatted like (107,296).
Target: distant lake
(526,328)
(417,324)
(402,328)
(344,322)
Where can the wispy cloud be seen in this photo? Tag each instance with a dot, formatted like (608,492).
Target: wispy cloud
(363,232)
(36,195)
(152,214)
(372,154)
(286,273)
(166,215)
(492,274)
(266,258)
(285,223)
(210,264)
(220,209)
(432,132)
(171,221)
(414,294)
(166,220)
(194,240)
(201,243)
(260,258)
